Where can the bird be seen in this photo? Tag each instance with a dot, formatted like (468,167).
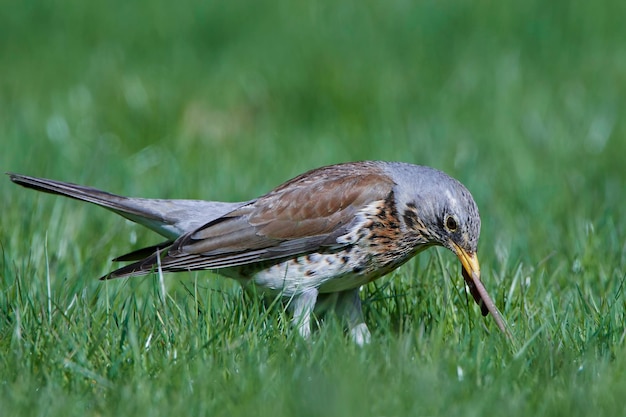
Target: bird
(313,241)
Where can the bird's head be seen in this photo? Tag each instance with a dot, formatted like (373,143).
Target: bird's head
(443,212)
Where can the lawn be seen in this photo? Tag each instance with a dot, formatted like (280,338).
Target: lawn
(521,101)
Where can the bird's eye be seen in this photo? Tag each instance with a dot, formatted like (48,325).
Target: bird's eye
(451,224)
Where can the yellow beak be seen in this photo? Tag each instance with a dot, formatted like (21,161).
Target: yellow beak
(468,260)
(471,274)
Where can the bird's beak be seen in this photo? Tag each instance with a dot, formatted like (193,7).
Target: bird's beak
(471,274)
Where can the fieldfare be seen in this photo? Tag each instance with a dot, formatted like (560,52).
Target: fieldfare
(314,240)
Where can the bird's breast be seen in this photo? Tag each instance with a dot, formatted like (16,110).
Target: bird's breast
(345,269)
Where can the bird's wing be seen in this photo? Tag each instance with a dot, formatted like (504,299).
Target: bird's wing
(301,216)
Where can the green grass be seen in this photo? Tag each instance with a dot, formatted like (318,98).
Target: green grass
(521,101)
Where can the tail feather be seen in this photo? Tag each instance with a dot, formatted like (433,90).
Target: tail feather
(170,218)
(119,204)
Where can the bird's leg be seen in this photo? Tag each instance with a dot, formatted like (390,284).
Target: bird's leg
(348,307)
(302,307)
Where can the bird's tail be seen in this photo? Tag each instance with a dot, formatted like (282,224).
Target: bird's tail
(170,218)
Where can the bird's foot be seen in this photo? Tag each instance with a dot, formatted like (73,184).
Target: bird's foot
(360,334)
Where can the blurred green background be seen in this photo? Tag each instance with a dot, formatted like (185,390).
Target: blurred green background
(519,100)
(523,102)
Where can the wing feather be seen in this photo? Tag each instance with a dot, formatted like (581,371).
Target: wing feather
(304,215)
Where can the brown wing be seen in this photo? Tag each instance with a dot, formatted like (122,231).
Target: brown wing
(301,216)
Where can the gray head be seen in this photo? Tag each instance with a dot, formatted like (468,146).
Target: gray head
(443,206)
